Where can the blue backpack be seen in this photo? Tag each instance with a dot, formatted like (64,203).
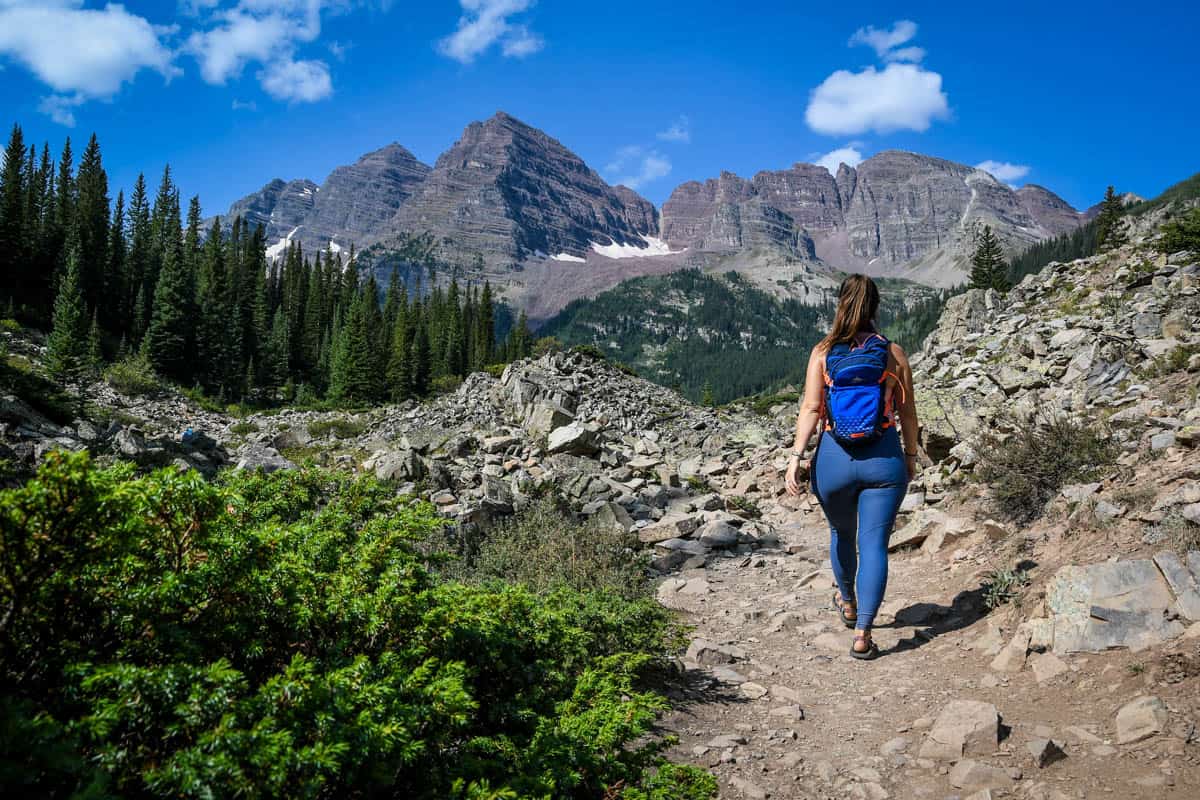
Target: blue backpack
(855,388)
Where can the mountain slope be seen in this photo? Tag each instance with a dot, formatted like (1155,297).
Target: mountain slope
(897,213)
(506,191)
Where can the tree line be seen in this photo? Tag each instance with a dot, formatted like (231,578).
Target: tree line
(139,282)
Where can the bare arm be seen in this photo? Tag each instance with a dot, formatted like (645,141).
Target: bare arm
(907,408)
(810,406)
(809,417)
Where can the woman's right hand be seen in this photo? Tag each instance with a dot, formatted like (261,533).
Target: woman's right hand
(793,488)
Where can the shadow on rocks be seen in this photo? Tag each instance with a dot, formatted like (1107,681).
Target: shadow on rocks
(932,620)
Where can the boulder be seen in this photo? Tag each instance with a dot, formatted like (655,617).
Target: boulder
(964,728)
(671,526)
(574,438)
(1111,604)
(261,457)
(545,417)
(399,465)
(1141,719)
(718,533)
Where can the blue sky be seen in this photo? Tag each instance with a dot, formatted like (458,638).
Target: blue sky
(232,93)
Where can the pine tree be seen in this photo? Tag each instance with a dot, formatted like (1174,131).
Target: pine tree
(137,262)
(354,368)
(1109,233)
(91,224)
(67,347)
(116,286)
(420,359)
(95,360)
(486,329)
(707,397)
(988,270)
(274,364)
(400,367)
(166,344)
(14,244)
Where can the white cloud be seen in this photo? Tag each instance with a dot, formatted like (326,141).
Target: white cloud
(638,166)
(268,33)
(1004,171)
(304,81)
(886,42)
(849,155)
(898,97)
(82,54)
(680,131)
(61,108)
(247,105)
(488,22)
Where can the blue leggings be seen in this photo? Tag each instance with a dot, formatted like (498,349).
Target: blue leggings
(860,489)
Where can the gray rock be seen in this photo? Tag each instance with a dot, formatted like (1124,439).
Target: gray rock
(718,534)
(575,438)
(964,728)
(970,775)
(261,457)
(703,651)
(1140,719)
(1111,604)
(1045,751)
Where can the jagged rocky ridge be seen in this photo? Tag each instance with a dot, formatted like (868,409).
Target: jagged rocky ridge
(505,192)
(897,214)
(506,195)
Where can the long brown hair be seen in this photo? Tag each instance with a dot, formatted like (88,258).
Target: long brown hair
(858,301)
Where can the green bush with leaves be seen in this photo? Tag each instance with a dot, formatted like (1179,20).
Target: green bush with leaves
(1025,469)
(338,427)
(281,636)
(133,376)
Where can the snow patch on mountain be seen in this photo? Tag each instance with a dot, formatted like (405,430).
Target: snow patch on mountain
(654,247)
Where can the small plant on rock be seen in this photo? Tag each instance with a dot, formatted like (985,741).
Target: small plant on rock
(1002,585)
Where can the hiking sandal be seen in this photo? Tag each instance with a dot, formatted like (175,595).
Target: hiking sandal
(840,606)
(872,650)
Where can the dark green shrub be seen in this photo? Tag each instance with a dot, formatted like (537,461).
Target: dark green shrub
(277,636)
(243,428)
(338,427)
(546,548)
(1182,233)
(446,384)
(133,376)
(589,350)
(1025,470)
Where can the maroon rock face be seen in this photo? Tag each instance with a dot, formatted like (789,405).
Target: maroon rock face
(1048,209)
(894,208)
(507,190)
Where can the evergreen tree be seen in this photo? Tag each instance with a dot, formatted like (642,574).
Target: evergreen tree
(420,360)
(485,329)
(14,244)
(67,346)
(137,262)
(988,270)
(707,395)
(91,224)
(274,364)
(400,366)
(116,280)
(1108,222)
(95,360)
(354,368)
(166,344)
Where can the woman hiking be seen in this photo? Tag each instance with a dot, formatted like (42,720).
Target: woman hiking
(860,470)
